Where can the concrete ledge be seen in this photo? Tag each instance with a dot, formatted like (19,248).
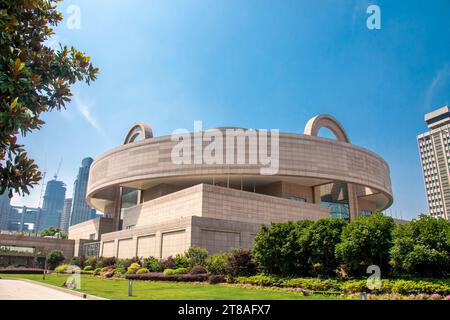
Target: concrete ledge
(75,293)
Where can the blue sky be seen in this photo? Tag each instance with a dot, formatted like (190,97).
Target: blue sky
(257,64)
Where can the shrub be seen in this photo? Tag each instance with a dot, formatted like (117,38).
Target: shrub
(109,274)
(196,256)
(142,270)
(217,263)
(399,286)
(366,241)
(198,270)
(78,261)
(97,271)
(422,247)
(156,276)
(167,263)
(260,280)
(21,271)
(176,271)
(120,271)
(240,263)
(88,268)
(106,262)
(152,264)
(55,258)
(91,261)
(62,268)
(216,278)
(323,236)
(354,286)
(416,287)
(282,248)
(313,284)
(126,263)
(133,268)
(106,270)
(180,261)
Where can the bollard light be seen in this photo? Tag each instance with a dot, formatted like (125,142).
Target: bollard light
(130,288)
(363,296)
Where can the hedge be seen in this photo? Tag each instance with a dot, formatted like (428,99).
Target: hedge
(388,286)
(22,271)
(176,271)
(157,276)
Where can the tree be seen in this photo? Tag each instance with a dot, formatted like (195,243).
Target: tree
(282,248)
(54,258)
(240,263)
(196,256)
(52,231)
(323,237)
(34,79)
(422,247)
(366,241)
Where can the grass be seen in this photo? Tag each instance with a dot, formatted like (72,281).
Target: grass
(150,290)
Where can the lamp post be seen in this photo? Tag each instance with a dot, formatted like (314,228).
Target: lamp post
(45,265)
(130,288)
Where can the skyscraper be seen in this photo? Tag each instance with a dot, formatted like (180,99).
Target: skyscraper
(80,210)
(434,149)
(52,208)
(5,207)
(65,217)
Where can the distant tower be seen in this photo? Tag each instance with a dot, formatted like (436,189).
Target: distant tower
(5,208)
(80,210)
(434,149)
(65,217)
(52,208)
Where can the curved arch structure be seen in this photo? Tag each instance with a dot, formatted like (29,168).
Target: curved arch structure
(326,121)
(222,205)
(139,129)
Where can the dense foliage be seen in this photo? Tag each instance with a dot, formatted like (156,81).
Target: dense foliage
(422,247)
(152,264)
(52,232)
(301,248)
(241,263)
(322,238)
(157,276)
(364,242)
(34,79)
(21,271)
(282,248)
(217,263)
(55,258)
(196,256)
(388,286)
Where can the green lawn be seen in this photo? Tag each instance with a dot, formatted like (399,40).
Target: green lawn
(149,290)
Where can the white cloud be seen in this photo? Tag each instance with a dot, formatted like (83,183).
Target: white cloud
(85,109)
(438,79)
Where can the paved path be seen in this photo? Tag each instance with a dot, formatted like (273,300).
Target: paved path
(21,290)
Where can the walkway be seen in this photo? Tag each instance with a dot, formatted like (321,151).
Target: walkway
(21,290)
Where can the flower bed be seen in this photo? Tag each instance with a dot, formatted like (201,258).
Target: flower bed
(157,276)
(21,271)
(397,296)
